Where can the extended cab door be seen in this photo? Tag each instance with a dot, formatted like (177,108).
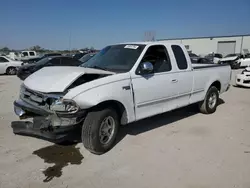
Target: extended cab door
(184,75)
(157,90)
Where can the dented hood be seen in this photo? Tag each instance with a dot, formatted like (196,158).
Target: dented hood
(57,79)
(229,58)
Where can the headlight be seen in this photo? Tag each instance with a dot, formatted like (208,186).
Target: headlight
(64,106)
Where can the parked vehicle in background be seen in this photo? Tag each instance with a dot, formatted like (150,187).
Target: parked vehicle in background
(25,55)
(9,66)
(233,55)
(33,60)
(79,55)
(202,60)
(243,79)
(13,55)
(26,70)
(193,56)
(236,60)
(244,60)
(87,57)
(121,84)
(214,57)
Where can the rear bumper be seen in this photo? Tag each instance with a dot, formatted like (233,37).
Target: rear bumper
(48,126)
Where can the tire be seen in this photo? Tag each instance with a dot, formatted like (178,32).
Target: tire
(206,106)
(11,71)
(92,125)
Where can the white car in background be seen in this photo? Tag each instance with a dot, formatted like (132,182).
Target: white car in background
(8,66)
(244,61)
(237,60)
(243,79)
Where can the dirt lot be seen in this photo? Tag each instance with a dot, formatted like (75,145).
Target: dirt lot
(176,149)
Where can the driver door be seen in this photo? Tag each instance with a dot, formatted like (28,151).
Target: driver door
(154,91)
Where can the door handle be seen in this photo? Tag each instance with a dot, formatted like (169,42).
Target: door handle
(174,81)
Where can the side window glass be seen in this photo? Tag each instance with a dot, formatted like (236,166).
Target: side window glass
(32,54)
(24,54)
(179,57)
(158,56)
(3,60)
(67,61)
(55,62)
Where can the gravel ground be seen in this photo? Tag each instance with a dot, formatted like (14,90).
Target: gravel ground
(176,149)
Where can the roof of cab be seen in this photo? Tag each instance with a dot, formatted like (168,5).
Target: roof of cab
(151,42)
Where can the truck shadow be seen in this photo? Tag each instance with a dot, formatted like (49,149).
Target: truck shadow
(157,121)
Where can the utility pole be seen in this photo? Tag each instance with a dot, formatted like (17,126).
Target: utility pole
(70,41)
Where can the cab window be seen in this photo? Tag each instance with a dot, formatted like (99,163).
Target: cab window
(32,54)
(158,56)
(179,57)
(24,54)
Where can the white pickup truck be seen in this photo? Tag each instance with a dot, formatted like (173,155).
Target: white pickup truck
(26,55)
(123,83)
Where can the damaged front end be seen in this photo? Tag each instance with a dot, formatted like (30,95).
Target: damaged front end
(54,118)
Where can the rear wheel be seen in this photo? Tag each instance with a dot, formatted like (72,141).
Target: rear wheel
(100,129)
(11,71)
(210,103)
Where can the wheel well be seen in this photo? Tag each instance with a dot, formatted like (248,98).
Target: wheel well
(217,84)
(118,107)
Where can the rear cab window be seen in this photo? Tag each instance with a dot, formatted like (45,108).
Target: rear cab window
(180,57)
(32,53)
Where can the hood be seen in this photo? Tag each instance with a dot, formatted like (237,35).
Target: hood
(229,58)
(58,79)
(248,69)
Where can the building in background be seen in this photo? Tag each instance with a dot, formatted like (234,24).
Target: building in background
(217,44)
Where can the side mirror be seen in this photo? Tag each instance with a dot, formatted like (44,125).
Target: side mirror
(147,67)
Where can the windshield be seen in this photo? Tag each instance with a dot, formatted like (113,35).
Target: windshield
(86,57)
(116,58)
(192,55)
(232,55)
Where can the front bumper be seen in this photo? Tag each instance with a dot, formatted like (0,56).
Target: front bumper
(242,80)
(46,125)
(55,135)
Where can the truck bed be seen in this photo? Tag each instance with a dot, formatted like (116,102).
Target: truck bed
(201,66)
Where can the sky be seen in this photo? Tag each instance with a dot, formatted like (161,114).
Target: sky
(68,24)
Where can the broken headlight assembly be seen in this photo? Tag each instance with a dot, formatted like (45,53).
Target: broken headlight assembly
(64,106)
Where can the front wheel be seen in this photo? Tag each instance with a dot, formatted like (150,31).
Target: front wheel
(100,129)
(11,71)
(210,103)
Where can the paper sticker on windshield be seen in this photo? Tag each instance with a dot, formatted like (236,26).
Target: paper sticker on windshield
(134,47)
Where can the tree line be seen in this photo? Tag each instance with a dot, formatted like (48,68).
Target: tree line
(39,49)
